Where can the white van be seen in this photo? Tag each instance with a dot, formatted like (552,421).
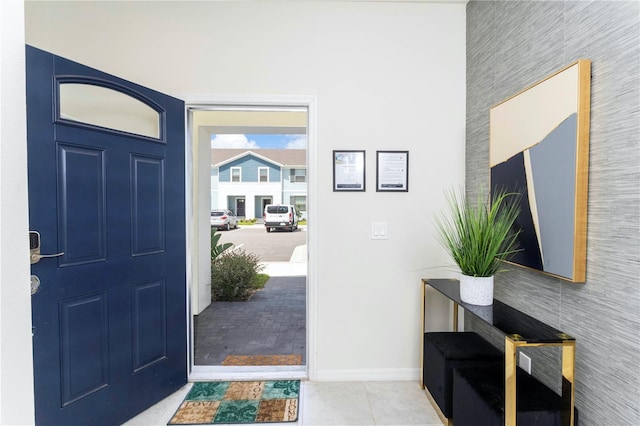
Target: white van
(280,216)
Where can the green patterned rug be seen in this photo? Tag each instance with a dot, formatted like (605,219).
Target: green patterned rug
(239,402)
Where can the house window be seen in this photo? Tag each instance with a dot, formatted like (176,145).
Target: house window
(263,174)
(236,174)
(298,175)
(300,201)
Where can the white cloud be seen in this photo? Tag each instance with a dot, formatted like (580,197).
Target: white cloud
(233,141)
(297,142)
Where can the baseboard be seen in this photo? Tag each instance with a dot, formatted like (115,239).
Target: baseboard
(369,375)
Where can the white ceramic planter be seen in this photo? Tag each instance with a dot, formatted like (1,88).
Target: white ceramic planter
(476,290)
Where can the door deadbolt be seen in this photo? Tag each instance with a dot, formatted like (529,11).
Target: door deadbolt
(34,248)
(35,284)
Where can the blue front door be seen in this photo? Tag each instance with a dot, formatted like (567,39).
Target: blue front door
(109,319)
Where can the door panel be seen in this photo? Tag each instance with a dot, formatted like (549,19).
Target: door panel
(109,322)
(84,345)
(147,193)
(149,325)
(81,176)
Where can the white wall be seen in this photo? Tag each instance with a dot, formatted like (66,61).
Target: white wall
(386,76)
(16,378)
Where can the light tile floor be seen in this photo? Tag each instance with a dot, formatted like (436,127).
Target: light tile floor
(333,404)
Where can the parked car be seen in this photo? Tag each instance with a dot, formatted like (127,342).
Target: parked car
(280,216)
(223,219)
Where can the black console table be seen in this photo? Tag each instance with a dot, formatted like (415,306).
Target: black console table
(520,330)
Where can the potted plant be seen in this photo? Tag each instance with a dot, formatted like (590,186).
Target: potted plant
(479,236)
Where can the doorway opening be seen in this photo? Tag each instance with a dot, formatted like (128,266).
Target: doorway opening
(243,158)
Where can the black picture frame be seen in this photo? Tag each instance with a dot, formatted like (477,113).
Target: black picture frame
(392,171)
(349,171)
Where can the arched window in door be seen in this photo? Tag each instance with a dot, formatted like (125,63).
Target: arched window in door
(107,107)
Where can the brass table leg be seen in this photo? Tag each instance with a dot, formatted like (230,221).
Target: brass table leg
(455,316)
(510,351)
(512,343)
(568,394)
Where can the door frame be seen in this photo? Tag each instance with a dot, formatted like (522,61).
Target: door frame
(208,101)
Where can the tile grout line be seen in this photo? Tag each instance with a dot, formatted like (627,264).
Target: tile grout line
(366,393)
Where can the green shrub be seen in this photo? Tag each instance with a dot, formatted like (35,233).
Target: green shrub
(251,221)
(233,274)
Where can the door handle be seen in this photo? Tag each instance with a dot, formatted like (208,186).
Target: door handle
(34,246)
(35,258)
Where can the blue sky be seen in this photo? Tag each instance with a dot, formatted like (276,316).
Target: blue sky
(249,141)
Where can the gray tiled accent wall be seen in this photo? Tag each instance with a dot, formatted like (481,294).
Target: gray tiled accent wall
(511,45)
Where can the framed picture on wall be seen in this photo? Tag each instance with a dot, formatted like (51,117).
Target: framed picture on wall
(539,147)
(392,171)
(349,171)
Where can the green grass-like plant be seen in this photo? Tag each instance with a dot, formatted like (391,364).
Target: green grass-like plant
(259,281)
(480,235)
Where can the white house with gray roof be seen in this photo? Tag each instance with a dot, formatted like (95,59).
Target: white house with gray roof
(247,180)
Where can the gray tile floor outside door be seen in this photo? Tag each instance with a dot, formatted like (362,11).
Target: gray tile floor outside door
(272,322)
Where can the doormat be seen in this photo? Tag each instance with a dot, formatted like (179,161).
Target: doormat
(262,360)
(239,403)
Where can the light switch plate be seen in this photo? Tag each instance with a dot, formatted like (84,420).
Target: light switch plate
(378,230)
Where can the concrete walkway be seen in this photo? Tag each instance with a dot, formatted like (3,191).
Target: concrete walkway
(295,267)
